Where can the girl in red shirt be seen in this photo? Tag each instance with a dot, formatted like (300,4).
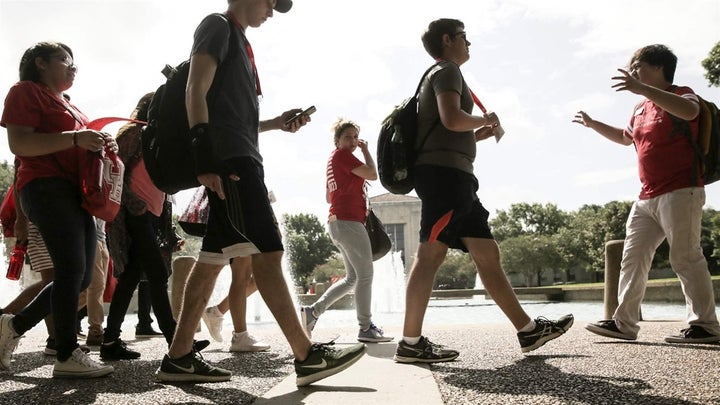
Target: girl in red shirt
(47,133)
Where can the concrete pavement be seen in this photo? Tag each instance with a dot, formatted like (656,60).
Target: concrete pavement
(578,368)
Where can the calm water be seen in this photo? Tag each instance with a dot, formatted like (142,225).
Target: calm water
(388,305)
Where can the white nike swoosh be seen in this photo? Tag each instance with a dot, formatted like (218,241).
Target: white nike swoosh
(322,364)
(190,370)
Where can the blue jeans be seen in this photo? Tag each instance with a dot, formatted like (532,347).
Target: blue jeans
(53,205)
(144,256)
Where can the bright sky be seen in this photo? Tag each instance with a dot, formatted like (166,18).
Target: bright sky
(533,62)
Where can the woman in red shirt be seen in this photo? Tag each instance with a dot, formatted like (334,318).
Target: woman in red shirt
(345,191)
(47,133)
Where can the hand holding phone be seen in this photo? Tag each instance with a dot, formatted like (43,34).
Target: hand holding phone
(307,112)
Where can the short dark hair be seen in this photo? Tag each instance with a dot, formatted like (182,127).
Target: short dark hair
(44,50)
(432,37)
(657,55)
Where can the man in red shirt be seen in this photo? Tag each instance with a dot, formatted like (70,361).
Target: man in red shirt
(671,199)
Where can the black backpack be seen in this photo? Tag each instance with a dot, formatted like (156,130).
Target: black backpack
(166,142)
(396,151)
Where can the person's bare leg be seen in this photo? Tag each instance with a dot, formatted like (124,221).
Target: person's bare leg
(428,259)
(273,288)
(237,299)
(202,279)
(24,298)
(224,305)
(486,255)
(181,268)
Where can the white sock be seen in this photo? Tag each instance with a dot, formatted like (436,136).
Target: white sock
(529,327)
(411,340)
(240,334)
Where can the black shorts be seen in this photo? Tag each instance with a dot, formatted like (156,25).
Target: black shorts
(244,223)
(451,209)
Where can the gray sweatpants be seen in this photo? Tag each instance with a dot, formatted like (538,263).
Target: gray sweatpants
(352,240)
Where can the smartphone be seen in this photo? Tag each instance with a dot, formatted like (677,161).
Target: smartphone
(309,111)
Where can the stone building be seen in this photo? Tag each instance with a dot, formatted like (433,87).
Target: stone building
(401,216)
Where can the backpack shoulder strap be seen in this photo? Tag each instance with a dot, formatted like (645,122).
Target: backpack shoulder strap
(417,95)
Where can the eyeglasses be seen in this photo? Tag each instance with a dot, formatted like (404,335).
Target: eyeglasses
(65,60)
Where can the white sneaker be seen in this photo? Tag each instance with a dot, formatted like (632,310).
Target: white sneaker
(245,342)
(9,340)
(80,365)
(214,320)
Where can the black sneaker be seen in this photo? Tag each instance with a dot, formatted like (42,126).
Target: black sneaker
(324,361)
(198,345)
(608,328)
(190,368)
(693,334)
(545,331)
(423,351)
(117,350)
(146,331)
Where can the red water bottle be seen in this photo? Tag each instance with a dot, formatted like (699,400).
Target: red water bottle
(17,260)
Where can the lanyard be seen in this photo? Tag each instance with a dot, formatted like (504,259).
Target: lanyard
(249,50)
(475,98)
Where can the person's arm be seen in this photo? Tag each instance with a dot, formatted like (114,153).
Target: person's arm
(368,171)
(614,134)
(202,72)
(279,121)
(457,120)
(25,141)
(674,104)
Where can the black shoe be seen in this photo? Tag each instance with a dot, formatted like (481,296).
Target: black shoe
(117,350)
(324,361)
(146,331)
(190,368)
(693,334)
(608,328)
(199,345)
(545,331)
(423,351)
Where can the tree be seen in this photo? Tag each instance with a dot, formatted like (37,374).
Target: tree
(712,66)
(529,219)
(530,256)
(307,244)
(7,173)
(456,272)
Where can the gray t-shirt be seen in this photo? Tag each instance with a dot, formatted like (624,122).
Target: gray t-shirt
(444,147)
(232,100)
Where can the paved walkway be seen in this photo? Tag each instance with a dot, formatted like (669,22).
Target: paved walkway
(578,368)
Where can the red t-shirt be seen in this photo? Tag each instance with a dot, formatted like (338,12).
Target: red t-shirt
(33,105)
(666,158)
(347,190)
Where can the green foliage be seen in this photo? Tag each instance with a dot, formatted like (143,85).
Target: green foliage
(531,256)
(712,66)
(307,245)
(332,268)
(7,173)
(528,219)
(590,228)
(456,272)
